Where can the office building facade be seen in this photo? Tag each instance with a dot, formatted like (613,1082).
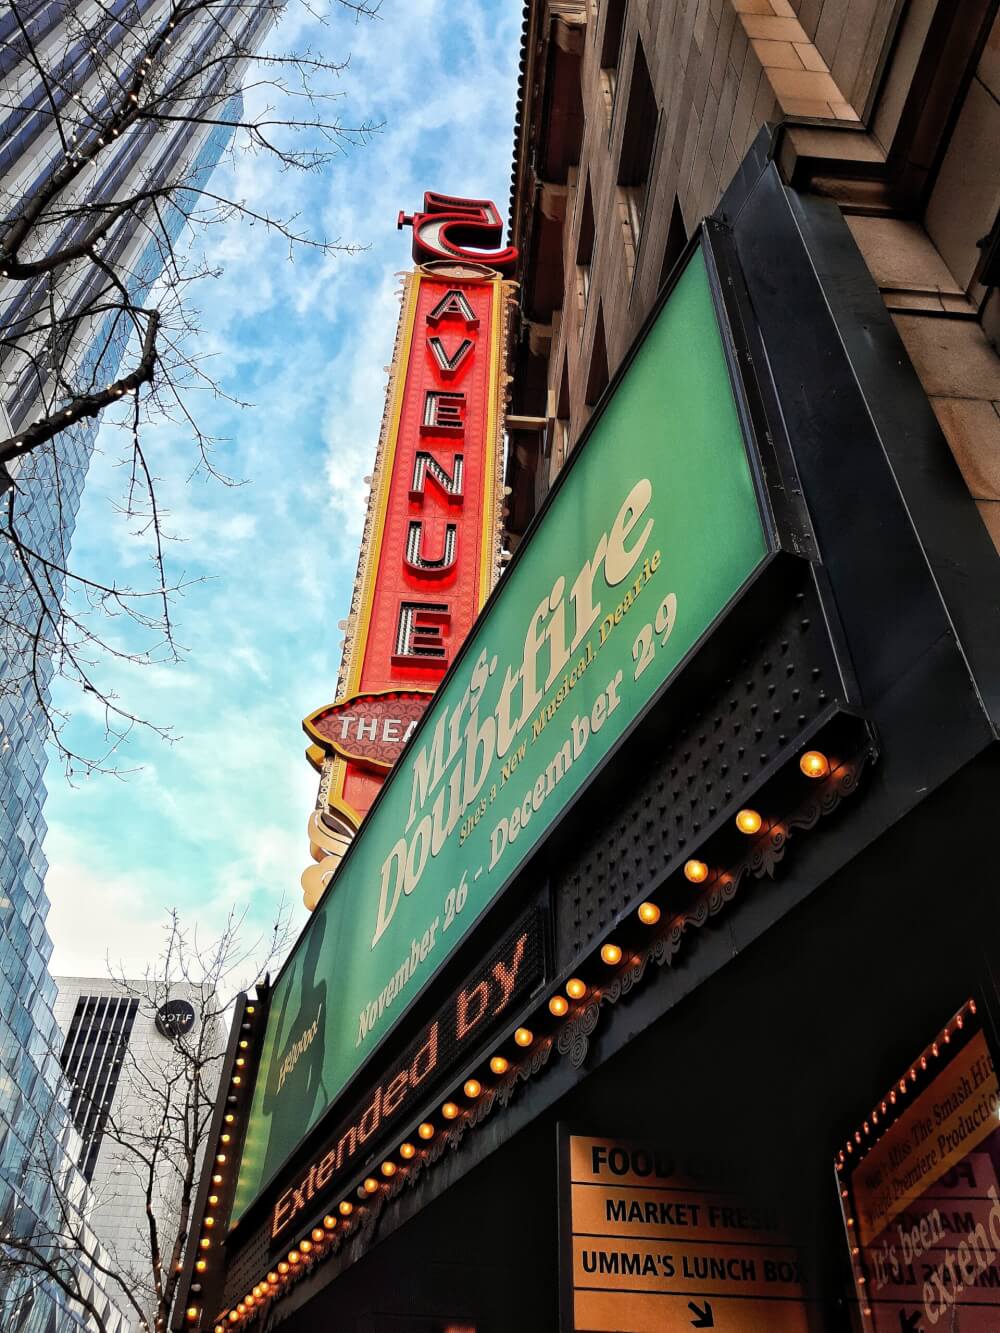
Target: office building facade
(83,48)
(120,1057)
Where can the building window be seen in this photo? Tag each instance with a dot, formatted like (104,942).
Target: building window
(638,142)
(611,46)
(676,241)
(92,1059)
(558,435)
(584,257)
(597,376)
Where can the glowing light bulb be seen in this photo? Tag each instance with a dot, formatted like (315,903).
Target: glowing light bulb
(426,1131)
(575,988)
(346,1208)
(305,1246)
(370,1185)
(407,1150)
(695,871)
(330,1222)
(558,1005)
(748,821)
(499,1065)
(814,764)
(293,1257)
(611,954)
(649,914)
(388,1169)
(472,1087)
(283,1267)
(524,1036)
(449,1110)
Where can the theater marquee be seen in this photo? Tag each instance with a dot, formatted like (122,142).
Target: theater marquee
(652,532)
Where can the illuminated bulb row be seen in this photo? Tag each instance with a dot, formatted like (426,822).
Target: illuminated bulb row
(904,1085)
(192,1312)
(813,764)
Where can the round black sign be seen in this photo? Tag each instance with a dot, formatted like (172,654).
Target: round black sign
(175,1018)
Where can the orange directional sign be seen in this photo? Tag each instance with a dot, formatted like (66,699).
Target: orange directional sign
(652,1251)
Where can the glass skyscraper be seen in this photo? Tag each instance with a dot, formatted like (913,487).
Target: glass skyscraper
(66,35)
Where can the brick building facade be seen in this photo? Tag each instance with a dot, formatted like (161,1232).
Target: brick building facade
(634,118)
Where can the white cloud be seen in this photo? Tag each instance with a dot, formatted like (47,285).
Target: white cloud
(219,817)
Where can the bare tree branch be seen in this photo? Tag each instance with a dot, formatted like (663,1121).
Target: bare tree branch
(96,274)
(154,1134)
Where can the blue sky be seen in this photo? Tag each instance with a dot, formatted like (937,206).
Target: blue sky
(218,818)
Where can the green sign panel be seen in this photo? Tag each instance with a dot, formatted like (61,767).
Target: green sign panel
(654,530)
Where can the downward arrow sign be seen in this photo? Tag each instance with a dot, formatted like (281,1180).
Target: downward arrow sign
(703,1318)
(910,1323)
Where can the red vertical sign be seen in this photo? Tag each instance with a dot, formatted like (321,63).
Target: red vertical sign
(429,552)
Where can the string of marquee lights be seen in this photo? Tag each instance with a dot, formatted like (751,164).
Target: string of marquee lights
(563,1023)
(865,1138)
(881,1119)
(222,1179)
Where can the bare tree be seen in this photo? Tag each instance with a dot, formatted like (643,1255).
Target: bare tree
(125,109)
(152,1140)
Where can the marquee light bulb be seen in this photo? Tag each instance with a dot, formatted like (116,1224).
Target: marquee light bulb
(611,954)
(426,1131)
(229,1118)
(472,1087)
(329,1222)
(370,1185)
(216,1180)
(575,988)
(272,1277)
(695,871)
(249,1008)
(306,1246)
(237,1080)
(814,764)
(213,1199)
(524,1036)
(201,1265)
(407,1150)
(293,1257)
(346,1208)
(233,1316)
(192,1313)
(558,1005)
(244,1044)
(318,1235)
(499,1065)
(388,1169)
(283,1268)
(205,1243)
(449,1110)
(221,1158)
(240,1062)
(748,821)
(224,1138)
(209,1222)
(649,914)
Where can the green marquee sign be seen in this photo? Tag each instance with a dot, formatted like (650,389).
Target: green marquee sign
(654,529)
